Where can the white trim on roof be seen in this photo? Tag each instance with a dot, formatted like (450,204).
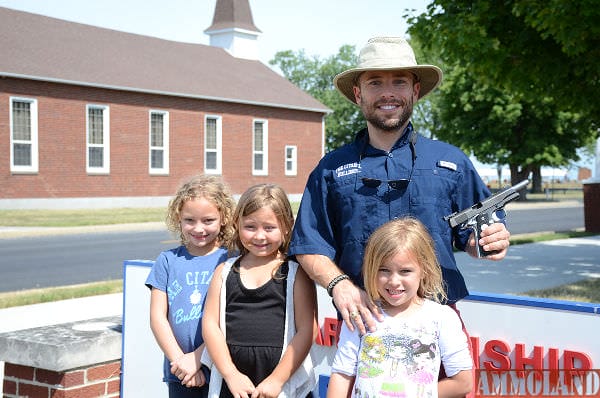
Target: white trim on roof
(158,92)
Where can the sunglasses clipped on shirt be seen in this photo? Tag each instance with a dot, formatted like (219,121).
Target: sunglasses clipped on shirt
(400,184)
(394,184)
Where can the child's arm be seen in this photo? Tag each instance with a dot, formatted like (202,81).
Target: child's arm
(456,386)
(165,338)
(305,318)
(456,356)
(239,384)
(340,385)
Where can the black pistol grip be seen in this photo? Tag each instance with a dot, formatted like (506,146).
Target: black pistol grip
(482,221)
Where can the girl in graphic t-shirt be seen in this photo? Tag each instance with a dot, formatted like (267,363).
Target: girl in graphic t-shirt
(417,333)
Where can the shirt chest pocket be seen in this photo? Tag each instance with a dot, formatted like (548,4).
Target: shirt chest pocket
(352,208)
(432,193)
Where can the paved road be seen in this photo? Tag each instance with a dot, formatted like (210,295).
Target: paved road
(534,266)
(523,220)
(34,257)
(66,259)
(56,257)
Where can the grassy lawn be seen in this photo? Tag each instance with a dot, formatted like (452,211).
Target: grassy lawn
(586,291)
(79,217)
(83,217)
(36,296)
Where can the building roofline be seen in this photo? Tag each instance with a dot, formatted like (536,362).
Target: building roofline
(159,92)
(234,29)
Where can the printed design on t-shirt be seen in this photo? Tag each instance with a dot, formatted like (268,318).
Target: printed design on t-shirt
(173,290)
(397,362)
(372,355)
(421,371)
(186,296)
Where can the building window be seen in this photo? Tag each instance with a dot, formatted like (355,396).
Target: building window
(291,160)
(98,139)
(212,144)
(260,139)
(159,142)
(23,135)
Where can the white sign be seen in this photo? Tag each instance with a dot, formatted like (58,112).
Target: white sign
(508,331)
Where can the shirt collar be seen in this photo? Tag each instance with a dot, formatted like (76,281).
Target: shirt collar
(362,140)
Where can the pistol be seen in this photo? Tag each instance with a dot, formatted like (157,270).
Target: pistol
(482,214)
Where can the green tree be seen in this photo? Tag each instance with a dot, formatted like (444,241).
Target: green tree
(315,76)
(540,48)
(519,89)
(499,127)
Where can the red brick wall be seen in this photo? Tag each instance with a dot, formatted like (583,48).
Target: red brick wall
(62,142)
(583,173)
(103,380)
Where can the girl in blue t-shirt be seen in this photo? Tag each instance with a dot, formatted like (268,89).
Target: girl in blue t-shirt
(200,214)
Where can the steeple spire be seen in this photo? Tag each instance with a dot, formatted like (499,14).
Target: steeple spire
(233,29)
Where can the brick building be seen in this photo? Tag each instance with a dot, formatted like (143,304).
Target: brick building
(97,117)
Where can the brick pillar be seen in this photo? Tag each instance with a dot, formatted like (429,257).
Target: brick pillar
(99,380)
(70,360)
(591,206)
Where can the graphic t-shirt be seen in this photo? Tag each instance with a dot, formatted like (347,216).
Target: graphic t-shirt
(185,279)
(402,357)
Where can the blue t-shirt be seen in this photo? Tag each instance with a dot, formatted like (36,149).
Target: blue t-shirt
(185,279)
(339,212)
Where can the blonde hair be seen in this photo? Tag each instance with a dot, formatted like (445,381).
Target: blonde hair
(404,235)
(256,198)
(211,188)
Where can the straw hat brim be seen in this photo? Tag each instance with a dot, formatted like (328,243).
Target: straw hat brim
(430,77)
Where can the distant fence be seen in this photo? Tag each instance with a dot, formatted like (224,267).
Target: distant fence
(551,190)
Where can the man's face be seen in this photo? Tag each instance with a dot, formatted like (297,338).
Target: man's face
(386,98)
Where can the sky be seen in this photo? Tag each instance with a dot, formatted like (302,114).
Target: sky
(319,27)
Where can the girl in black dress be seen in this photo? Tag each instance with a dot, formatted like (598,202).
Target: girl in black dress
(260,313)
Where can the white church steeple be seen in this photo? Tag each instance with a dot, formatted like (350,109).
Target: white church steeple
(233,29)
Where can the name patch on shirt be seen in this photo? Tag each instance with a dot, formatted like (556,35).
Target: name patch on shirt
(347,169)
(447,165)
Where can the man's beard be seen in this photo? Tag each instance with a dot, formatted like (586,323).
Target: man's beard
(387,124)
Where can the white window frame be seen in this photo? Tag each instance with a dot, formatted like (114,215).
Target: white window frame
(218,151)
(33,139)
(291,162)
(264,151)
(164,170)
(105,145)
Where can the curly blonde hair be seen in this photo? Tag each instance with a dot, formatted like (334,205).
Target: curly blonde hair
(404,235)
(257,197)
(211,188)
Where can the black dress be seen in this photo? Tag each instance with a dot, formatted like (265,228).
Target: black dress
(255,324)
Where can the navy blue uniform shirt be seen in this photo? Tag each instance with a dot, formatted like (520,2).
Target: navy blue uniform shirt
(339,212)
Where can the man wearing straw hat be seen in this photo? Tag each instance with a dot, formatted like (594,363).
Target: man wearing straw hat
(388,171)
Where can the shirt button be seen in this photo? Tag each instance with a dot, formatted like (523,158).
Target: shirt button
(390,155)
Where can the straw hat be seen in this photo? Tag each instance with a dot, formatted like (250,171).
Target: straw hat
(388,53)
